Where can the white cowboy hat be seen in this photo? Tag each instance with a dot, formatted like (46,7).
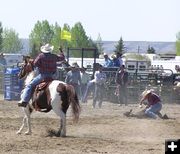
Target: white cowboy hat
(113,56)
(105,54)
(47,48)
(145,92)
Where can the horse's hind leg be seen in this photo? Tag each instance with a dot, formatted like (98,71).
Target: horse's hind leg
(62,130)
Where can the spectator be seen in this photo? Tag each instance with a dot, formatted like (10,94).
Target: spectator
(100,79)
(153,106)
(115,61)
(122,82)
(85,78)
(73,77)
(107,61)
(119,56)
(2,60)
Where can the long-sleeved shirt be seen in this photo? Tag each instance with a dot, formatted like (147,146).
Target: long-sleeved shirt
(73,77)
(108,62)
(46,62)
(100,78)
(85,78)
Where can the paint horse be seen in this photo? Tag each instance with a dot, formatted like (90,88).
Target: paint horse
(55,95)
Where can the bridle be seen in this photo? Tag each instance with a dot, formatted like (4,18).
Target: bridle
(26,67)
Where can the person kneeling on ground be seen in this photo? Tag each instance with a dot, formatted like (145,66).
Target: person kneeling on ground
(154,105)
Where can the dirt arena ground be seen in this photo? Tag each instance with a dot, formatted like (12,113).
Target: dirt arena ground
(103,131)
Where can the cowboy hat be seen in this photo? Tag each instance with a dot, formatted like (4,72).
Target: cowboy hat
(105,54)
(113,56)
(47,48)
(146,92)
(75,65)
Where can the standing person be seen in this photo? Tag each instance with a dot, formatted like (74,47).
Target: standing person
(45,62)
(89,88)
(119,57)
(107,61)
(115,61)
(154,105)
(100,79)
(85,78)
(122,82)
(2,60)
(73,77)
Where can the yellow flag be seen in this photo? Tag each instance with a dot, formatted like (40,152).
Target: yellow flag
(65,35)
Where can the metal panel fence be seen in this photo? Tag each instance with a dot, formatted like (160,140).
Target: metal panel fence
(10,85)
(162,82)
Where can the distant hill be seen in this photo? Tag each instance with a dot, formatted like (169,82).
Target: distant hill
(130,46)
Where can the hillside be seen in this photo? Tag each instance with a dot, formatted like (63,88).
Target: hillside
(130,46)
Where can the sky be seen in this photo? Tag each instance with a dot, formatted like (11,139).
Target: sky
(133,20)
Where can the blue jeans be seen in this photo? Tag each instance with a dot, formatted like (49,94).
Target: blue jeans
(27,92)
(89,88)
(98,95)
(153,110)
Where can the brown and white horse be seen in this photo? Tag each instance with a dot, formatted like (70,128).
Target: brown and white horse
(61,95)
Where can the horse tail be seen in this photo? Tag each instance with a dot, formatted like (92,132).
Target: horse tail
(74,101)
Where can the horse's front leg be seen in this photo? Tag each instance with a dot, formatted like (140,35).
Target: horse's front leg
(62,130)
(28,120)
(22,126)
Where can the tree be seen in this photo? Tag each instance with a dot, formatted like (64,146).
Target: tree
(178,44)
(11,42)
(99,44)
(79,38)
(41,34)
(151,50)
(56,40)
(120,46)
(1,31)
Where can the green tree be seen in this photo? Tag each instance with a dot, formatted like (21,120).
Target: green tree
(1,31)
(41,34)
(89,54)
(56,40)
(151,50)
(11,42)
(99,44)
(79,38)
(178,44)
(120,46)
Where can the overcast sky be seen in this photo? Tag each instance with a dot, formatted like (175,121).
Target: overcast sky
(134,20)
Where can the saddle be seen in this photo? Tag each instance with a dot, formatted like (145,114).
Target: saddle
(41,100)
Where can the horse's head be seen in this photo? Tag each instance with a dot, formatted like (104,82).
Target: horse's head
(26,67)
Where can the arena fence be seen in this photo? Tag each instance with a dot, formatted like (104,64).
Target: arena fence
(161,81)
(10,85)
